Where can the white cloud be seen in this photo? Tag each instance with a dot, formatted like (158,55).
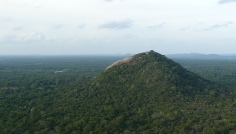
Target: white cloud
(82,26)
(8,38)
(18,28)
(206,27)
(185,28)
(58,26)
(117,25)
(7,19)
(159,26)
(34,37)
(226,1)
(216,26)
(111,0)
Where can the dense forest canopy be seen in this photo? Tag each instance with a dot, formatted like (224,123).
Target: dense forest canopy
(152,94)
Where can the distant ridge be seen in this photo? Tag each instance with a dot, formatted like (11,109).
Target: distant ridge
(201,56)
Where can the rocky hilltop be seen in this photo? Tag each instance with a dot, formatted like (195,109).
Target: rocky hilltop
(152,70)
(127,60)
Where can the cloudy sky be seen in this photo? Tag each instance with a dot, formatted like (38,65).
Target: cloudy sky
(117,26)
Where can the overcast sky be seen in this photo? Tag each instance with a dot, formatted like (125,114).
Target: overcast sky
(117,26)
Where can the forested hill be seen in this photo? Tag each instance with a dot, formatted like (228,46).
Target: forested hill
(151,93)
(151,70)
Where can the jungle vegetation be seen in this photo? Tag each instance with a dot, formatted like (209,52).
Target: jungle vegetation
(150,94)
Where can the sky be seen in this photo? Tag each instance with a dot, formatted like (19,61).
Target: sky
(77,27)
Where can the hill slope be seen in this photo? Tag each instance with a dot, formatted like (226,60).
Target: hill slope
(152,70)
(151,93)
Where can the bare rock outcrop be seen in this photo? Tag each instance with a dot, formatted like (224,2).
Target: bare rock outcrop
(127,60)
(119,62)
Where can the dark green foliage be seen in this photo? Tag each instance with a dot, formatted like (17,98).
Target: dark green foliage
(217,70)
(150,94)
(154,95)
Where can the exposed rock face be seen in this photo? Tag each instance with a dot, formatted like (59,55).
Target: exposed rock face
(126,60)
(119,62)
